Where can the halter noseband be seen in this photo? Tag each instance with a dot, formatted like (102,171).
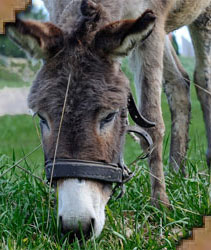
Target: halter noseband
(69,168)
(106,172)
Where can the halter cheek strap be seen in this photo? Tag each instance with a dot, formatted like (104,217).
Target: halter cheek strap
(136,115)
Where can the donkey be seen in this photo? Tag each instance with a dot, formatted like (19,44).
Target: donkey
(81,49)
(155,62)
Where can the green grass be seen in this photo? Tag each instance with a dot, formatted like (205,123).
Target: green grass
(19,137)
(132,222)
(14,78)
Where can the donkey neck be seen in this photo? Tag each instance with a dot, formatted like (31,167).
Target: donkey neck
(66,13)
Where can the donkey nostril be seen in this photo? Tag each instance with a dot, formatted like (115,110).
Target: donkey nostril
(89,229)
(61,224)
(81,181)
(60,219)
(86,231)
(92,224)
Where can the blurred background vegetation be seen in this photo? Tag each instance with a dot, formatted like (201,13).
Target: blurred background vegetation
(7,47)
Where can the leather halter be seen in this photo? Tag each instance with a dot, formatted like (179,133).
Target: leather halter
(136,116)
(106,172)
(69,168)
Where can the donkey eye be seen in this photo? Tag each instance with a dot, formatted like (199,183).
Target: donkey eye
(43,120)
(108,119)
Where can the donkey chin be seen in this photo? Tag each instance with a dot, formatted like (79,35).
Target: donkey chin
(81,207)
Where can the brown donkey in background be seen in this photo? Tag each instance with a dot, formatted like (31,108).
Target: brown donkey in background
(82,50)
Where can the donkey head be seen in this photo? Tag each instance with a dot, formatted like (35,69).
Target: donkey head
(84,60)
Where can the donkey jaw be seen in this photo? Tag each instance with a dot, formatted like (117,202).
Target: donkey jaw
(81,206)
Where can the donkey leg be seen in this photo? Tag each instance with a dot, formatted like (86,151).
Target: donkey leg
(177,89)
(147,64)
(201,36)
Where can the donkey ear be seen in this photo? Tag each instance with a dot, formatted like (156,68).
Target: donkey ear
(119,38)
(39,40)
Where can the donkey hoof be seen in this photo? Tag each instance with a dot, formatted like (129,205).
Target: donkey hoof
(160,199)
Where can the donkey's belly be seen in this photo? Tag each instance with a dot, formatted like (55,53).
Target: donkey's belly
(184,12)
